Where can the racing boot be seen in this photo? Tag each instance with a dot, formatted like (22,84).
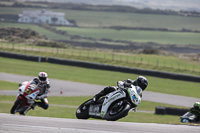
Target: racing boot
(98,95)
(96,98)
(33,106)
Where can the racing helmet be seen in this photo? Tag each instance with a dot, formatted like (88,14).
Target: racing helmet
(142,82)
(42,77)
(197,105)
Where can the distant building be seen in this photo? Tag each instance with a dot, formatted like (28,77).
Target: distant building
(43,16)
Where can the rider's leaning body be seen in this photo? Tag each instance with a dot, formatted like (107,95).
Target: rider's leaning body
(42,82)
(196,110)
(141,83)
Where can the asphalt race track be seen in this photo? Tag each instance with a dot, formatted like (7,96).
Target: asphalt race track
(16,123)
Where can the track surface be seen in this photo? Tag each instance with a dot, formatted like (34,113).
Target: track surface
(69,88)
(15,124)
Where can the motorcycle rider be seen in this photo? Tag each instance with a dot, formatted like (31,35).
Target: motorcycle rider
(196,110)
(141,81)
(43,84)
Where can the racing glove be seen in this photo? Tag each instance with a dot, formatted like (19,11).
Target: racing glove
(120,84)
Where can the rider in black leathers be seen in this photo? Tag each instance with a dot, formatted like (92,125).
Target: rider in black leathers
(196,110)
(141,81)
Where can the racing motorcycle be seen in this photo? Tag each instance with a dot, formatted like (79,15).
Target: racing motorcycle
(25,98)
(111,107)
(189,117)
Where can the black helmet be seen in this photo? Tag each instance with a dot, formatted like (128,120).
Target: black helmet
(142,82)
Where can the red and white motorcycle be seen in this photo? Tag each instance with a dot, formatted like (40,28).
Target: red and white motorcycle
(26,98)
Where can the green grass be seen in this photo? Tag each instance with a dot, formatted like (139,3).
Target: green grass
(94,76)
(78,100)
(8,85)
(150,118)
(58,112)
(65,112)
(160,37)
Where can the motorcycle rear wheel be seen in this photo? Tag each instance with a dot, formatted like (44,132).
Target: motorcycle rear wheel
(83,110)
(16,106)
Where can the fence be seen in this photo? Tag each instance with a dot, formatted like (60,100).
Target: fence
(106,57)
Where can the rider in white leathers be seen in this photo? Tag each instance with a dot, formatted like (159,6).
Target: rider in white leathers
(43,84)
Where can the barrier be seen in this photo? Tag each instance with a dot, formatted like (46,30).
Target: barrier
(23,57)
(162,110)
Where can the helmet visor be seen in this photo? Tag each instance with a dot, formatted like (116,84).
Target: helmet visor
(143,86)
(42,78)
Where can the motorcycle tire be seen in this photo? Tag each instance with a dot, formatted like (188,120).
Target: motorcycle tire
(114,114)
(16,106)
(83,111)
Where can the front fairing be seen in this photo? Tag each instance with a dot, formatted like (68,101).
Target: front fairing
(189,115)
(23,87)
(29,91)
(134,96)
(31,97)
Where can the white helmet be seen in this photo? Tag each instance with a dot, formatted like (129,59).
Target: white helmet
(42,76)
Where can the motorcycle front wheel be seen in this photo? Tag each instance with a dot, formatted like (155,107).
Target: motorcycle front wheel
(118,110)
(16,106)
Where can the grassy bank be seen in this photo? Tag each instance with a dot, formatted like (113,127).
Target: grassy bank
(159,37)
